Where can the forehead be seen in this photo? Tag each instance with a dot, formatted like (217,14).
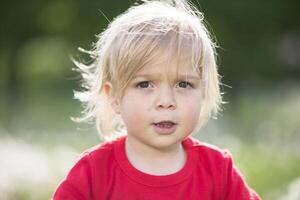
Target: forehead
(170,64)
(173,53)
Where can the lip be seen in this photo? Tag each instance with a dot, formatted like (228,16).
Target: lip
(166,129)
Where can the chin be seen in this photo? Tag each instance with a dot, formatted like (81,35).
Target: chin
(165,142)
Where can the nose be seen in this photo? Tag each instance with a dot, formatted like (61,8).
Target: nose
(166,99)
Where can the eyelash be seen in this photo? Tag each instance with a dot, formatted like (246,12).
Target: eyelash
(142,84)
(139,85)
(188,84)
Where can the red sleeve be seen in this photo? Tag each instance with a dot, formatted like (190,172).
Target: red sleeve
(235,185)
(77,184)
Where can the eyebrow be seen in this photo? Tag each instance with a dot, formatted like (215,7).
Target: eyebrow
(158,75)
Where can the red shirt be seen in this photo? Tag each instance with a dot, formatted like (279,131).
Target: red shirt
(104,173)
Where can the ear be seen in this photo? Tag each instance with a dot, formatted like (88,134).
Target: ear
(113,100)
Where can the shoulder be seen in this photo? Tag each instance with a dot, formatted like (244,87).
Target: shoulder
(218,163)
(103,149)
(100,155)
(206,150)
(209,157)
(91,160)
(84,177)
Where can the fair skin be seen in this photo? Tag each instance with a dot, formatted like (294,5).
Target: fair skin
(160,107)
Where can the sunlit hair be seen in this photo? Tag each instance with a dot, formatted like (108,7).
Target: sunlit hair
(138,38)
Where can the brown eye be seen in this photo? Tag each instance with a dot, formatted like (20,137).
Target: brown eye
(184,84)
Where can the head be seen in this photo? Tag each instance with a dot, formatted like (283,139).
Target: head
(167,37)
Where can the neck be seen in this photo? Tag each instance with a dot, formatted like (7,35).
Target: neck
(153,160)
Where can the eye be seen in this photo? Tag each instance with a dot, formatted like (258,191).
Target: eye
(184,84)
(144,84)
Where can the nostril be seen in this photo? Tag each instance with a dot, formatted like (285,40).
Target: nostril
(170,105)
(166,103)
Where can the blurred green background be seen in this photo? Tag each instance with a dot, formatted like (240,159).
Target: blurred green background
(259,59)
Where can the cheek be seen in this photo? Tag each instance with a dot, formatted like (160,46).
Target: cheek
(132,110)
(191,108)
(194,111)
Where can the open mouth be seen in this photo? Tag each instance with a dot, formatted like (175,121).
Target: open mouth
(165,124)
(164,127)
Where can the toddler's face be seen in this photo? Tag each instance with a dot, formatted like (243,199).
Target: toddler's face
(161,104)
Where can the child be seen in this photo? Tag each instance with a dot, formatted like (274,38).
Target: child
(152,84)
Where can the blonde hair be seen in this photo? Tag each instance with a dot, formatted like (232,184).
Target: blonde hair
(131,42)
